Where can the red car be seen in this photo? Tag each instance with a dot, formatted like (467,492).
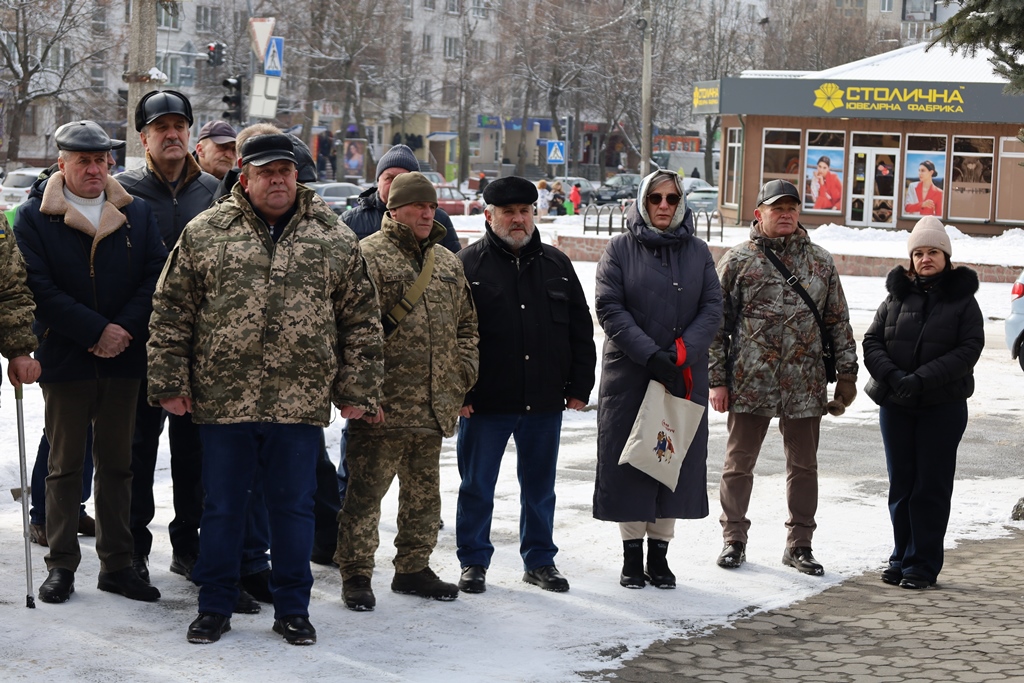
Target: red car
(457,204)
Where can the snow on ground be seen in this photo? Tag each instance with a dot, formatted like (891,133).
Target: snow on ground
(513,632)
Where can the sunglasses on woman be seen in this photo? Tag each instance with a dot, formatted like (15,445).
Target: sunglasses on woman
(655,198)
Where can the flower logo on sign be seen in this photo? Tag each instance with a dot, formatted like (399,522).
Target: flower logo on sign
(828,97)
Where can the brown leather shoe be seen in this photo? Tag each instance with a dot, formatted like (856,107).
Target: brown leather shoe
(86,525)
(37,533)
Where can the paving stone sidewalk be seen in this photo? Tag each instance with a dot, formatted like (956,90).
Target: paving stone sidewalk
(970,629)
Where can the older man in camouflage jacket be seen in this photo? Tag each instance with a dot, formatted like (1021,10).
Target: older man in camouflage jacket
(431,361)
(16,339)
(767,361)
(263,316)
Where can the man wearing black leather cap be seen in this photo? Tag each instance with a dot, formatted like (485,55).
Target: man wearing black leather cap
(177,189)
(93,257)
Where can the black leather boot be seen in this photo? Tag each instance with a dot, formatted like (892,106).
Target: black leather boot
(633,564)
(658,572)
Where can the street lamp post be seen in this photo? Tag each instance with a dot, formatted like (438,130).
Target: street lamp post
(645,91)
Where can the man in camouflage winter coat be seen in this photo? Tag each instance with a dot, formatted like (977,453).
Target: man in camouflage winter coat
(16,339)
(263,316)
(431,361)
(766,361)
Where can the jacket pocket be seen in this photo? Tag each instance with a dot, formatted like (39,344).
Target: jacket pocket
(558,302)
(877,391)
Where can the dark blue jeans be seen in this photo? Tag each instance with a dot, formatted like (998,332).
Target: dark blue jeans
(920,453)
(37,513)
(481,445)
(285,456)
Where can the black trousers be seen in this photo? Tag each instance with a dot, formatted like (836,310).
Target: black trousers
(186,478)
(920,452)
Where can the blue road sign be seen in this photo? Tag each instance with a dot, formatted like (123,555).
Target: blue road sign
(273,61)
(556,151)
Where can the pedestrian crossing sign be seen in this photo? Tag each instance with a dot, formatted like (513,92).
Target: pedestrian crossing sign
(273,60)
(556,151)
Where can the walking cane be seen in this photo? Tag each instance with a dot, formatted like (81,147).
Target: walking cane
(30,601)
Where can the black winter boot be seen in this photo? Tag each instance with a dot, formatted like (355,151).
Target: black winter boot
(658,572)
(632,564)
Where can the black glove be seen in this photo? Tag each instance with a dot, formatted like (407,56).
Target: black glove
(893,379)
(909,387)
(663,366)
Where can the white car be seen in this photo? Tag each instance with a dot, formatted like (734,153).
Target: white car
(17,185)
(1015,321)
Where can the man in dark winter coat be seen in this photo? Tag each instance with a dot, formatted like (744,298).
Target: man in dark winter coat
(767,361)
(93,257)
(365,219)
(537,358)
(177,189)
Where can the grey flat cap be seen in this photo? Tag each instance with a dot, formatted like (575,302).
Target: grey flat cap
(85,136)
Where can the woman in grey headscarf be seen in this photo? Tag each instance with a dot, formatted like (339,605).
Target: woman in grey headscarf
(656,284)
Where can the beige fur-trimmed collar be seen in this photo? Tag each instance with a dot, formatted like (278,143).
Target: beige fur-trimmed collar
(111,219)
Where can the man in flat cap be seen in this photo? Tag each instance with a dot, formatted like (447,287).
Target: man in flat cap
(263,317)
(537,358)
(215,148)
(177,189)
(768,361)
(93,257)
(430,359)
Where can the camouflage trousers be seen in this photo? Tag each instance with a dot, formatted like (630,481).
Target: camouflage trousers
(374,457)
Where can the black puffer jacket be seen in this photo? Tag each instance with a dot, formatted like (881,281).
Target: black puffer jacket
(173,208)
(364,219)
(935,333)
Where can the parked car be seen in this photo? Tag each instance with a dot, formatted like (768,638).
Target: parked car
(704,199)
(587,188)
(16,186)
(1015,321)
(339,196)
(457,204)
(691,184)
(617,188)
(436,178)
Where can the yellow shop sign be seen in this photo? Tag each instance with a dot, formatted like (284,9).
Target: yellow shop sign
(830,97)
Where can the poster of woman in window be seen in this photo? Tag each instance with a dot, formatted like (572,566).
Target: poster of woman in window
(923,196)
(355,151)
(823,179)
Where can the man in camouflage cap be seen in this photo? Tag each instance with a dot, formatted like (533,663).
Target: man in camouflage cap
(263,317)
(431,361)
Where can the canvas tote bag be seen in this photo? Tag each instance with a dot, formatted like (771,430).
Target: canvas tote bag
(663,430)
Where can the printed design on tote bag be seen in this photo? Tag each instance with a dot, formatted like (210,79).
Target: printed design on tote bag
(663,446)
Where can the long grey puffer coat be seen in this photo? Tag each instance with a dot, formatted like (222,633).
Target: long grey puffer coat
(652,287)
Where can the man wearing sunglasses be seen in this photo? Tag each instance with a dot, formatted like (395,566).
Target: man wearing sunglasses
(767,361)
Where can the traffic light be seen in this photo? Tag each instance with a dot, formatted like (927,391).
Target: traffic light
(234,98)
(215,53)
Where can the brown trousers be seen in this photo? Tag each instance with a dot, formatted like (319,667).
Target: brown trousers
(109,404)
(800,444)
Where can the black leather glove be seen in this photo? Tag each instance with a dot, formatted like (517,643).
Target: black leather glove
(909,387)
(663,366)
(893,379)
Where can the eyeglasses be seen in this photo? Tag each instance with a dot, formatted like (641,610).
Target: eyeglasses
(655,198)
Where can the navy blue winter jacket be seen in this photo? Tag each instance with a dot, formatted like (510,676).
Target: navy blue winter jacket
(81,282)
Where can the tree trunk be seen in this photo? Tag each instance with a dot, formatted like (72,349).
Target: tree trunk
(521,156)
(15,117)
(711,124)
